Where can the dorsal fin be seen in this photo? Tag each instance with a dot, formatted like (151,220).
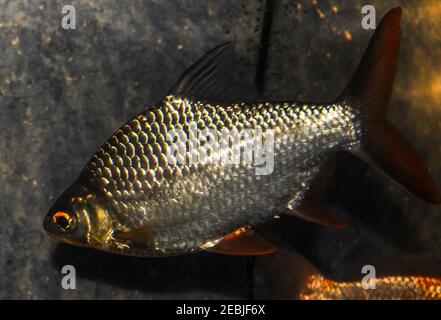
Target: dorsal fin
(209,79)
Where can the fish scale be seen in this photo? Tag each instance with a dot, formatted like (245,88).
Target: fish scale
(210,199)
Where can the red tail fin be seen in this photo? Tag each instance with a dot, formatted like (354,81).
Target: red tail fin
(384,146)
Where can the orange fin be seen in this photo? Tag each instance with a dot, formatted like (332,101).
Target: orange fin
(141,236)
(242,242)
(383,146)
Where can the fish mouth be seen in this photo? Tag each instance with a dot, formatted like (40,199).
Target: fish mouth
(52,230)
(48,226)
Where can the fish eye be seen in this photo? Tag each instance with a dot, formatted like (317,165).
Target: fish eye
(62,220)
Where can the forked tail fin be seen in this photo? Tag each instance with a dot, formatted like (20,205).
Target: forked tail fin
(384,147)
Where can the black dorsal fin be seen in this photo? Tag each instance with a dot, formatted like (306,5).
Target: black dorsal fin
(209,78)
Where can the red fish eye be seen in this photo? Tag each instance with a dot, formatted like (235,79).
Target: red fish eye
(62,219)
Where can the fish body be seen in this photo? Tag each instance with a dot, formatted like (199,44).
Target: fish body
(385,288)
(187,205)
(153,189)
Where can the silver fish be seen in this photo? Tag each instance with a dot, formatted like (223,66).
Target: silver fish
(136,197)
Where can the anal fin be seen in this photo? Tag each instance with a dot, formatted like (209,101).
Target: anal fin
(241,242)
(310,207)
(316,213)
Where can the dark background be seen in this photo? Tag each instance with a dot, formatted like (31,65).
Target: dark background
(63,92)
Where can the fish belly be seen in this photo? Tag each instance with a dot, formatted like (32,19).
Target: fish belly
(218,200)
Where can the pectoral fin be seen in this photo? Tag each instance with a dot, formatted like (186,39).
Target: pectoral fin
(242,242)
(141,236)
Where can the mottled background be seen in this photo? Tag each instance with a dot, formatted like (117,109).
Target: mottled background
(63,92)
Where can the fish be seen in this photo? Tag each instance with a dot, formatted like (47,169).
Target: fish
(386,288)
(154,189)
(299,278)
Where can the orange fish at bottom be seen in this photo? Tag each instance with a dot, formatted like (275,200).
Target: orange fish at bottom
(387,288)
